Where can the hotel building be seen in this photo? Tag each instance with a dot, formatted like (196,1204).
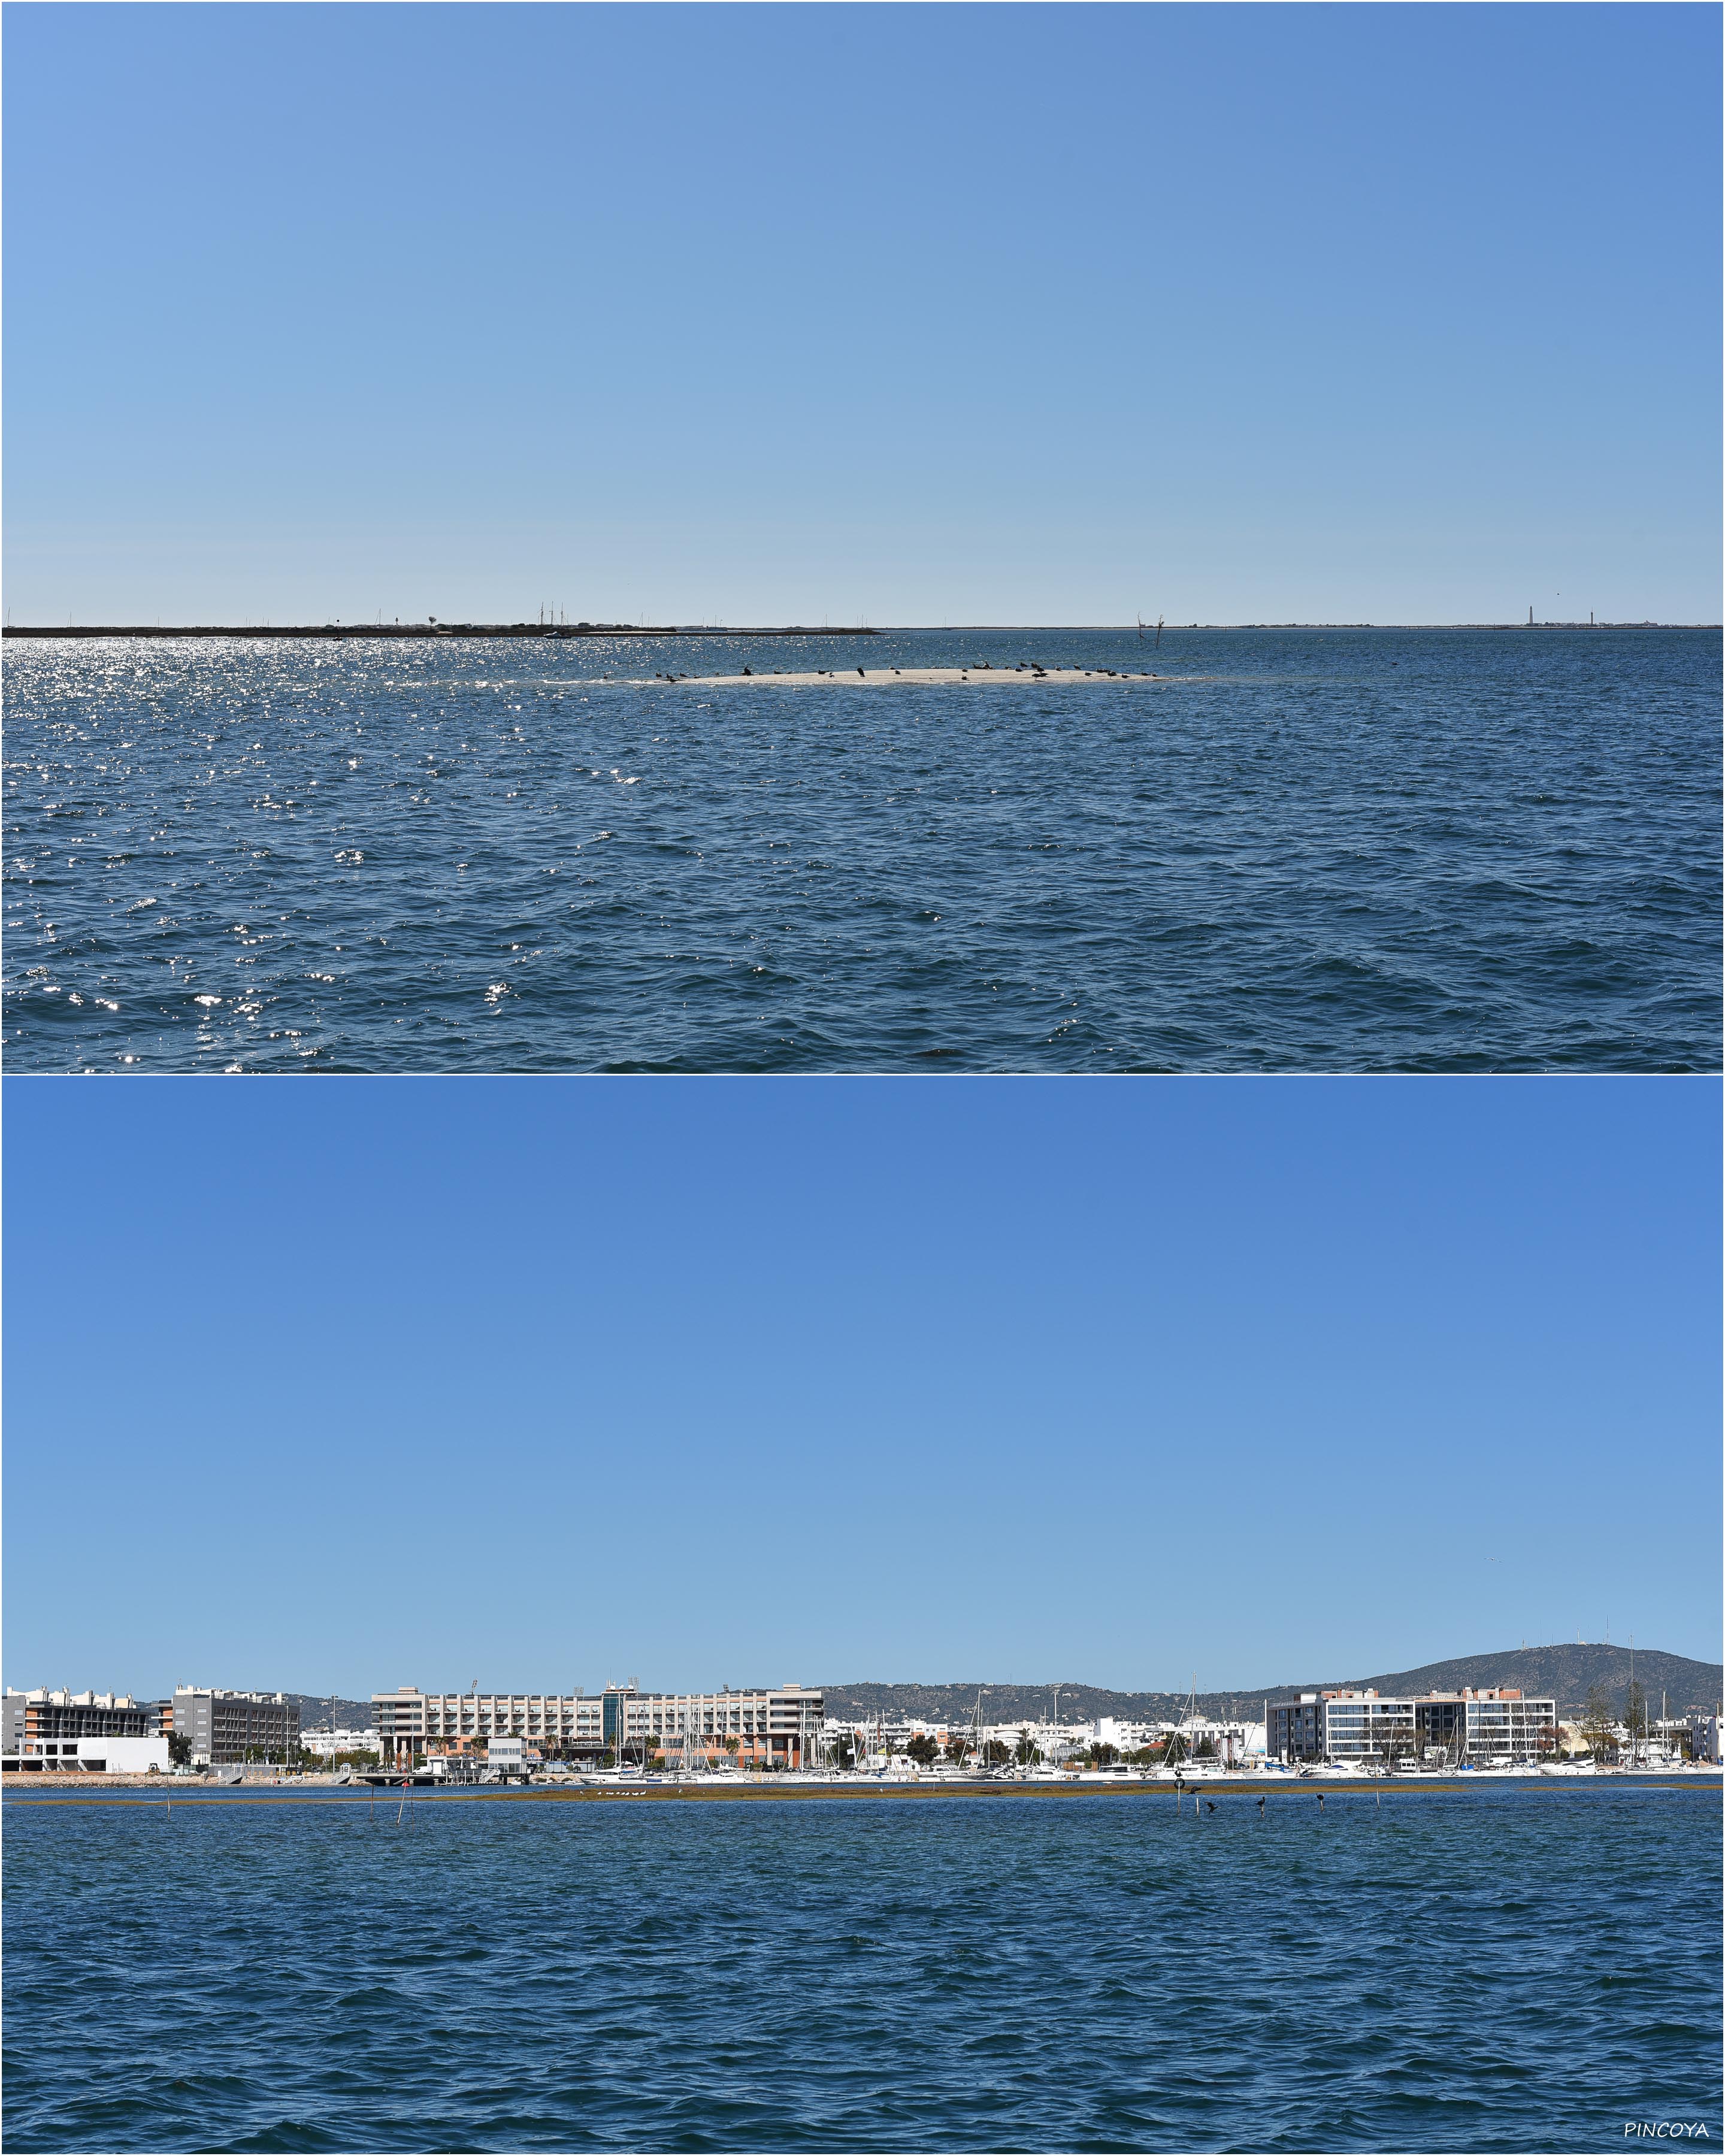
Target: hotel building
(558,1725)
(769,1727)
(1371,1728)
(762,1727)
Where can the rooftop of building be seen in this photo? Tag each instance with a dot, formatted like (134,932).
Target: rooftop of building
(221,1691)
(630,1691)
(1417,1699)
(43,1695)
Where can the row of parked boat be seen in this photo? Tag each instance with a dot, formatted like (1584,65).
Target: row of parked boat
(899,1771)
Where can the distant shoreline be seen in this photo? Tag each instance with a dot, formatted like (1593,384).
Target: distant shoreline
(779,1790)
(456,632)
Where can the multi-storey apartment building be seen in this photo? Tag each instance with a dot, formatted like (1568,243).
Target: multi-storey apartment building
(765,1728)
(1367,1728)
(557,1725)
(1497,1725)
(224,1728)
(42,1728)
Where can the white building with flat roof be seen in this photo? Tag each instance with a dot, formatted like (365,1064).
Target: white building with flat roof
(122,1755)
(326,1744)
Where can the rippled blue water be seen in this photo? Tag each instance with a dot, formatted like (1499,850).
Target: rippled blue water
(1518,1969)
(1374,850)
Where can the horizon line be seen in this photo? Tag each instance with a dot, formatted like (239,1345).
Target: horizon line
(432,627)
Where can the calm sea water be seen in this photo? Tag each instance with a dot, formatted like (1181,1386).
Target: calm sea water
(1511,1969)
(1374,850)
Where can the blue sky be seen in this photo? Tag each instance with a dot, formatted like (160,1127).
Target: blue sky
(903,314)
(346,1383)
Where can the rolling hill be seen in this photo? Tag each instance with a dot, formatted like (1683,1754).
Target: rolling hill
(314,1711)
(1564,1673)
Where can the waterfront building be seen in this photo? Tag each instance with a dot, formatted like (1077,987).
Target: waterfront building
(122,1755)
(1127,1736)
(1370,1728)
(761,1726)
(326,1744)
(42,1728)
(413,1722)
(1060,1740)
(764,1727)
(224,1728)
(1704,1736)
(873,1738)
(1230,1743)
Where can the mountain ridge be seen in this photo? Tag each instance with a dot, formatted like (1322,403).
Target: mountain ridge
(1566,1673)
(314,1712)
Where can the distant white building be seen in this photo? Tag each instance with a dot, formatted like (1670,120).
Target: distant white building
(326,1744)
(1704,1736)
(1054,1740)
(1127,1736)
(1231,1744)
